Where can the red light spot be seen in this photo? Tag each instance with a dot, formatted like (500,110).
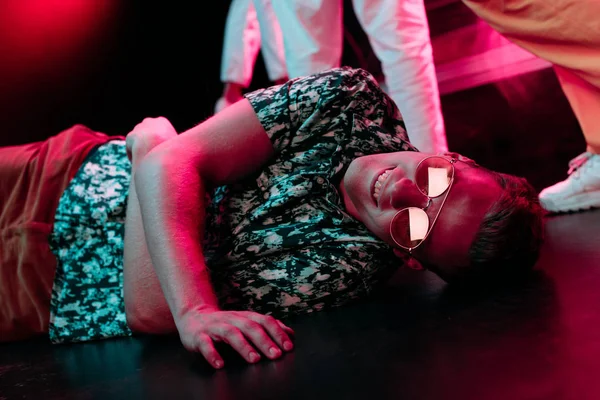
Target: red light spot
(40,36)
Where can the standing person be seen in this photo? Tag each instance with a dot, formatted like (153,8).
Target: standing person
(566,33)
(399,34)
(251,26)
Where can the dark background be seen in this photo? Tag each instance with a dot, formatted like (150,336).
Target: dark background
(137,59)
(140,59)
(108,64)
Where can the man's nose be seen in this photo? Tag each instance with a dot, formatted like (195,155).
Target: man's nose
(406,194)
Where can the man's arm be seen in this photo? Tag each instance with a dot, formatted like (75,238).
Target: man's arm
(145,306)
(170,184)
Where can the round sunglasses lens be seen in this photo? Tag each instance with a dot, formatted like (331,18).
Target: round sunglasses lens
(409,227)
(433,176)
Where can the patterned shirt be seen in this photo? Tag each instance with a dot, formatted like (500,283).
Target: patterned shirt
(281,241)
(278,242)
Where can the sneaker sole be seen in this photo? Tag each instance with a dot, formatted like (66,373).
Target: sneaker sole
(575,204)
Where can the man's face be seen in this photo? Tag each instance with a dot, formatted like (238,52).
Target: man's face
(472,194)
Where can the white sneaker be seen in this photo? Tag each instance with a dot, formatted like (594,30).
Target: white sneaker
(580,191)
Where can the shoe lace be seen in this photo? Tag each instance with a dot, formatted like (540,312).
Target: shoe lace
(577,164)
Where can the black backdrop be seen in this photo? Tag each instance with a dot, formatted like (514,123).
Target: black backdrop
(131,59)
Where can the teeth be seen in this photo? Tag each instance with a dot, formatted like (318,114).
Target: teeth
(379,183)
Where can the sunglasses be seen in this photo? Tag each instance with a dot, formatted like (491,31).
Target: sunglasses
(433,177)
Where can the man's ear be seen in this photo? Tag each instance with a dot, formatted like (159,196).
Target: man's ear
(408,260)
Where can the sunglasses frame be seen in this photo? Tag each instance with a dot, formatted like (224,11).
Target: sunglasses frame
(452,161)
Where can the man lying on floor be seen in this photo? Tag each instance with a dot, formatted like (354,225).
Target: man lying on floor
(301,197)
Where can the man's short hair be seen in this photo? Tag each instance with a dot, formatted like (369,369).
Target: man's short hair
(511,234)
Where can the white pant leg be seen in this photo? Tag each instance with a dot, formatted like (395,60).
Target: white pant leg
(271,40)
(399,34)
(241,43)
(312,34)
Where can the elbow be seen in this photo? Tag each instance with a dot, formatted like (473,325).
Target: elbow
(134,321)
(148,319)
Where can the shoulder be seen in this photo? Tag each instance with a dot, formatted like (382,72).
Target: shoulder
(304,89)
(338,80)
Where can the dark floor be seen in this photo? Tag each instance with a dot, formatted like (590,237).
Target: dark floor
(417,340)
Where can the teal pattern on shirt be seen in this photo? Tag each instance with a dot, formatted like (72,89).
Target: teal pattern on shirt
(279,242)
(87,239)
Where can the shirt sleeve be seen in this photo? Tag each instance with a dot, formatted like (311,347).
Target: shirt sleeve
(299,109)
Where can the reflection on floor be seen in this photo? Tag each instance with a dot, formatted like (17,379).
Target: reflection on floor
(417,339)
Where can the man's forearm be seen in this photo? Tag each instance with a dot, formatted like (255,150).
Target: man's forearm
(145,305)
(171,195)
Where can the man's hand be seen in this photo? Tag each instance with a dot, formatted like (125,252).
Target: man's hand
(199,329)
(147,135)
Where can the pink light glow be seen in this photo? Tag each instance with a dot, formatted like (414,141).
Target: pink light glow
(42,36)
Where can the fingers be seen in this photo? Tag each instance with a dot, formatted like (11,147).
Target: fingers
(276,329)
(256,333)
(286,328)
(234,337)
(207,349)
(248,333)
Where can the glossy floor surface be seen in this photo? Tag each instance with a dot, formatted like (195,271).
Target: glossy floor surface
(418,339)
